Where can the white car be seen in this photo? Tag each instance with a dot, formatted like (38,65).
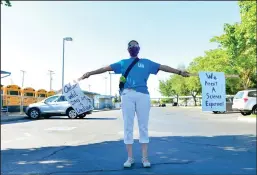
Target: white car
(56,105)
(245,102)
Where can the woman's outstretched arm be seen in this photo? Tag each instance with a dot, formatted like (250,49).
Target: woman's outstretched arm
(169,69)
(97,71)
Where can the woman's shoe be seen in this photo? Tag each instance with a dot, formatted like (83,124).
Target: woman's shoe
(146,163)
(129,163)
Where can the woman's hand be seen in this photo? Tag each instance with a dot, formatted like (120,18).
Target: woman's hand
(86,75)
(98,71)
(184,74)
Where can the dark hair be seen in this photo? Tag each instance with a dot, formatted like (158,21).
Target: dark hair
(132,41)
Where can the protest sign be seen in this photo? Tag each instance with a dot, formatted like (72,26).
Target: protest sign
(77,99)
(213,91)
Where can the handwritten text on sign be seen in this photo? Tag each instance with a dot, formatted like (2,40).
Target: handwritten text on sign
(213,91)
(77,99)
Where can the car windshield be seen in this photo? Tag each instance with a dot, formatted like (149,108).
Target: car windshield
(239,95)
(51,99)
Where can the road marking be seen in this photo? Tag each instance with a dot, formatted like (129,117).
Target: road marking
(60,129)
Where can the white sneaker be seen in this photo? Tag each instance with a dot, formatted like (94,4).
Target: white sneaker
(129,163)
(146,163)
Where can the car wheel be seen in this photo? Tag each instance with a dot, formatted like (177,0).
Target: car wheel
(254,110)
(215,112)
(34,113)
(246,113)
(72,114)
(82,116)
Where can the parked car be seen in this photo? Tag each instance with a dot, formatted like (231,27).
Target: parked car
(162,105)
(175,104)
(245,102)
(229,102)
(56,105)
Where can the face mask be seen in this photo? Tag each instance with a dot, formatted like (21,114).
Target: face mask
(133,51)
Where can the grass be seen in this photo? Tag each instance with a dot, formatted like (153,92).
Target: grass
(253,115)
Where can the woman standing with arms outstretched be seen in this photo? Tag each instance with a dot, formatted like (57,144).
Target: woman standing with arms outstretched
(135,97)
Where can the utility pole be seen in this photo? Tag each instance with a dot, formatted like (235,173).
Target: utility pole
(105,85)
(22,85)
(110,73)
(51,78)
(89,87)
(22,81)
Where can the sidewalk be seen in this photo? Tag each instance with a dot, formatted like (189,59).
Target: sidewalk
(17,116)
(12,116)
(106,110)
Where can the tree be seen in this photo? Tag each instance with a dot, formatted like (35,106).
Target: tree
(166,88)
(154,102)
(239,42)
(7,3)
(193,83)
(174,86)
(117,98)
(167,100)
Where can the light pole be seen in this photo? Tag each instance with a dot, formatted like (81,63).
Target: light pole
(105,85)
(51,78)
(110,73)
(22,86)
(22,81)
(63,44)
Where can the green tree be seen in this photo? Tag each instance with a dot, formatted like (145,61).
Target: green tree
(165,88)
(154,102)
(174,86)
(167,100)
(239,42)
(7,3)
(215,60)
(117,98)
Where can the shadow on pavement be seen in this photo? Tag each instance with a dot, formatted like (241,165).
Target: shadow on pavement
(230,154)
(101,118)
(13,121)
(86,118)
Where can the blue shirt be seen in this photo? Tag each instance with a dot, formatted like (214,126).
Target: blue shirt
(138,75)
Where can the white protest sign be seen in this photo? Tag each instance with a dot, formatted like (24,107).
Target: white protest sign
(78,100)
(213,91)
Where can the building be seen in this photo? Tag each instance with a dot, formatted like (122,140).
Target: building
(103,101)
(90,94)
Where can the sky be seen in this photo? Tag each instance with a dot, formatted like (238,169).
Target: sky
(170,33)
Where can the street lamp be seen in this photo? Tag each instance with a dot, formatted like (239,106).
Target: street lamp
(63,44)
(110,73)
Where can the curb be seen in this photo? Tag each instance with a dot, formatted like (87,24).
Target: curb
(195,107)
(106,110)
(12,118)
(247,119)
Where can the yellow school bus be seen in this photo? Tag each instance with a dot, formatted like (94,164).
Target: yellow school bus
(41,94)
(12,97)
(28,96)
(50,93)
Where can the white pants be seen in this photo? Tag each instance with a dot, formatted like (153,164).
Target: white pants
(135,102)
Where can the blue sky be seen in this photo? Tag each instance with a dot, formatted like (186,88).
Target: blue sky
(170,33)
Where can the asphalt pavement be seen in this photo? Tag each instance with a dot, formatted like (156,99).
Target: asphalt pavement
(183,141)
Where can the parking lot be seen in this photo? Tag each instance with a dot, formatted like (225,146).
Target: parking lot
(183,141)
